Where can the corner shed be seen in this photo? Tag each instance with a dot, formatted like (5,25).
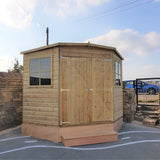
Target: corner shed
(72,93)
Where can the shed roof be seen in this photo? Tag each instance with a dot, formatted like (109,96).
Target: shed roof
(10,75)
(73,44)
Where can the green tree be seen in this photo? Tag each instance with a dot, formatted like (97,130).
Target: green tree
(16,67)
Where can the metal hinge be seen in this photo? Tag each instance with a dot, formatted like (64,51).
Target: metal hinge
(64,90)
(62,57)
(64,122)
(90,89)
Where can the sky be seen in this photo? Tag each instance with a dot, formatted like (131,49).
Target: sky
(131,26)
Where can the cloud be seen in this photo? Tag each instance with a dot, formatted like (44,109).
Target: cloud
(147,71)
(129,41)
(140,50)
(64,8)
(6,62)
(157,0)
(17,13)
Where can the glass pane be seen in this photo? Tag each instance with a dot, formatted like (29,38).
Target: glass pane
(119,79)
(45,64)
(119,68)
(34,79)
(45,78)
(34,65)
(116,67)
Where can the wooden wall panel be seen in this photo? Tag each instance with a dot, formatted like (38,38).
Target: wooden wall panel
(85,52)
(102,89)
(118,95)
(41,103)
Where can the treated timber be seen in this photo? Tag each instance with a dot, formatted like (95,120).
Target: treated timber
(117,93)
(80,139)
(82,105)
(41,102)
(86,86)
(82,91)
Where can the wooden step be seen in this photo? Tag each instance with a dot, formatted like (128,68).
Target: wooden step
(77,140)
(154,116)
(150,112)
(150,121)
(150,107)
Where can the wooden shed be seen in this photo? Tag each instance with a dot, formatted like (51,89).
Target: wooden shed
(72,93)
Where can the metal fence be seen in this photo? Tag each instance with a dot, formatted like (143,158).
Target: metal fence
(147,91)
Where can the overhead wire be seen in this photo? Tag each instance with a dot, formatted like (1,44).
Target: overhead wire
(120,8)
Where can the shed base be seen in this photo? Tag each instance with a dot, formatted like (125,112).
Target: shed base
(74,135)
(93,138)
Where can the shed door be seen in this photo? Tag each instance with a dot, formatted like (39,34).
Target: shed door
(85,90)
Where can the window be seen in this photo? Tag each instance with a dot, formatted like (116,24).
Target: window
(117,74)
(130,82)
(40,71)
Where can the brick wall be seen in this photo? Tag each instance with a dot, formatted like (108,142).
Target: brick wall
(129,104)
(10,99)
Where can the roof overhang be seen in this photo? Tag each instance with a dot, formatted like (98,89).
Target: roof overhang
(74,44)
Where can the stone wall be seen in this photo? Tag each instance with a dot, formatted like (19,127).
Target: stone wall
(129,104)
(11,87)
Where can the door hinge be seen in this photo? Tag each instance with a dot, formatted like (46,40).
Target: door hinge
(66,90)
(64,123)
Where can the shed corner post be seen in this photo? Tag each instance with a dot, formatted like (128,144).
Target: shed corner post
(59,77)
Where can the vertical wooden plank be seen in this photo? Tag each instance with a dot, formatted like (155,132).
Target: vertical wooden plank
(76,87)
(81,90)
(108,111)
(89,89)
(88,94)
(98,89)
(64,89)
(70,110)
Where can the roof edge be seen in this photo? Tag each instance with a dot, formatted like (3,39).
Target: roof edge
(72,44)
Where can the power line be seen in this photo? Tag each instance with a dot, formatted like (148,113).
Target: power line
(130,7)
(120,8)
(122,5)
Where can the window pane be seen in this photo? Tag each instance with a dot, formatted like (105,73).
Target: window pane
(45,64)
(119,68)
(34,79)
(45,78)
(117,76)
(116,67)
(34,65)
(119,79)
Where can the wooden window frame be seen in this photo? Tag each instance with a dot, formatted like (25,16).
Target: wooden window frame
(40,86)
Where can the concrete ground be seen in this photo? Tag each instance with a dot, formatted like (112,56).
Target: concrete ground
(135,142)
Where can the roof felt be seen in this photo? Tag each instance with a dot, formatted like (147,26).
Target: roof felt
(74,45)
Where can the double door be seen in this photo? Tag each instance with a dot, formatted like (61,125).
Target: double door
(86,90)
